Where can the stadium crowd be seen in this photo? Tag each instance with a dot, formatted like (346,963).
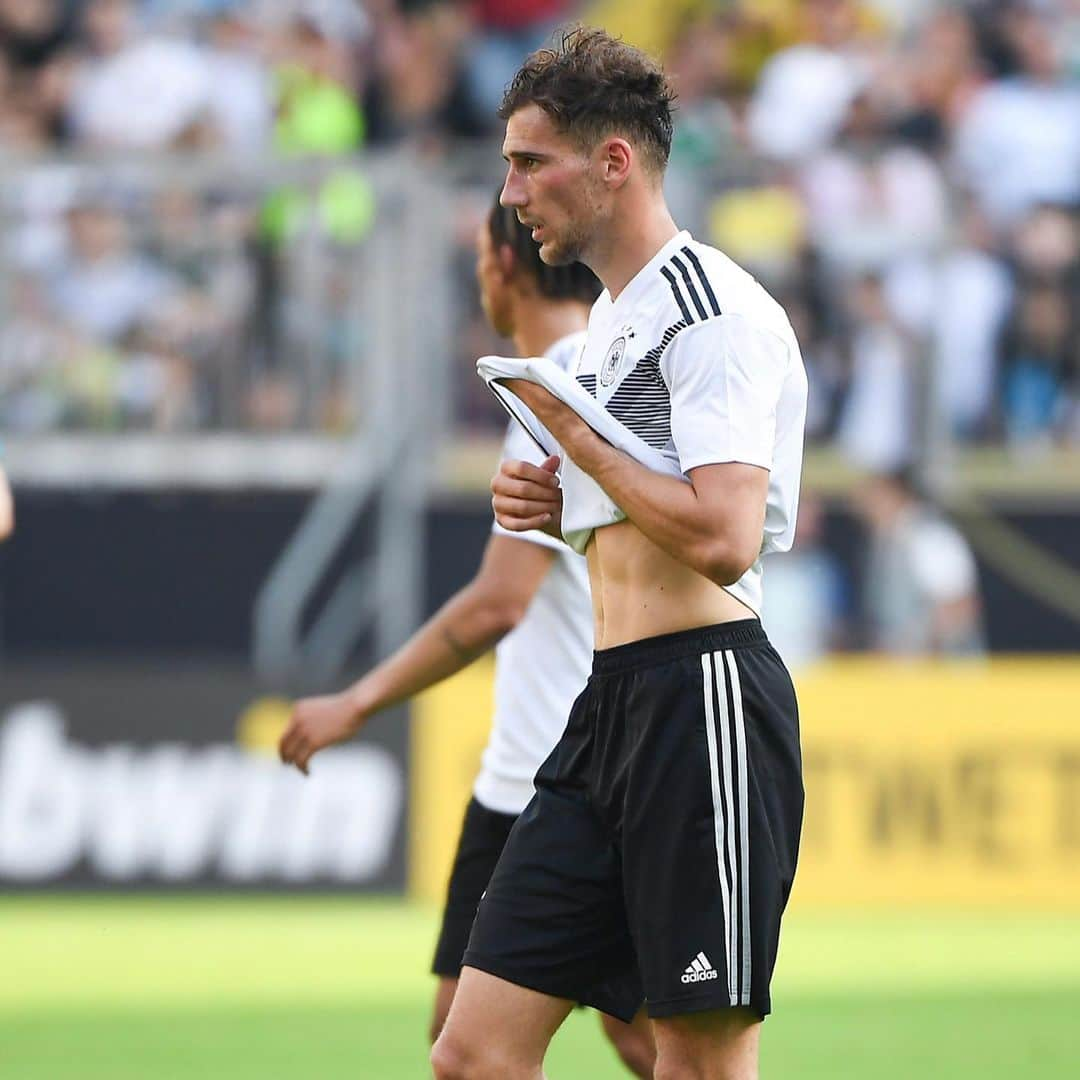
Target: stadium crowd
(904,176)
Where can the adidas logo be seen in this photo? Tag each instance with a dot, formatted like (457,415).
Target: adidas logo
(700,970)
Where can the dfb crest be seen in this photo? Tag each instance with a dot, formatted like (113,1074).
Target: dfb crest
(610,368)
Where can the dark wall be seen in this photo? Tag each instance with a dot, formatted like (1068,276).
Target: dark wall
(137,571)
(153,574)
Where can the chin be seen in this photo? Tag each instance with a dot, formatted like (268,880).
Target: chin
(552,255)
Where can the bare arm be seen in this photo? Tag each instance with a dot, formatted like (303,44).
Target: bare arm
(7,508)
(466,626)
(713,524)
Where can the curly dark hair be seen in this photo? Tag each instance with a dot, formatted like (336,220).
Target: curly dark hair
(593,85)
(571,281)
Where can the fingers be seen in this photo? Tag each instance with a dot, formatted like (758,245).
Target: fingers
(550,464)
(509,487)
(526,497)
(294,748)
(525,470)
(514,507)
(524,524)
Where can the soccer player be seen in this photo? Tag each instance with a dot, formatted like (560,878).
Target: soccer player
(530,595)
(657,855)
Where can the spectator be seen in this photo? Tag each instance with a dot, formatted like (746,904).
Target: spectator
(1041,344)
(420,89)
(807,602)
(876,425)
(934,78)
(1040,354)
(33,351)
(106,289)
(504,33)
(700,66)
(241,95)
(920,587)
(805,91)
(871,199)
(826,368)
(132,91)
(957,303)
(32,32)
(317,114)
(1018,144)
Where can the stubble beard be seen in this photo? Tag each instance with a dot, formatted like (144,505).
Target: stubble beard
(577,241)
(566,249)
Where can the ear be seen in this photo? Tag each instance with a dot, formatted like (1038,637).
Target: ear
(506,262)
(617,159)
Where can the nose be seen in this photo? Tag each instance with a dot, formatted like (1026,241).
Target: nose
(513,192)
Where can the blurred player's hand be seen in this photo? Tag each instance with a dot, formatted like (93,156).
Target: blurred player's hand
(317,722)
(527,496)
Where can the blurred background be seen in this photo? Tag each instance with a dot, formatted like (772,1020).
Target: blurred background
(249,453)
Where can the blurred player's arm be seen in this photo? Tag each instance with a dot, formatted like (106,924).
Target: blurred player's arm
(7,508)
(472,621)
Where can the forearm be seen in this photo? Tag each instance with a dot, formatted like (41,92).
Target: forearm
(714,524)
(667,510)
(465,628)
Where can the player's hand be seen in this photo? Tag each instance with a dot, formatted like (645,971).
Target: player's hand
(569,430)
(539,399)
(317,722)
(526,496)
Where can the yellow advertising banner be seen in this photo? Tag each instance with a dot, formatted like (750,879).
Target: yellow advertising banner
(926,784)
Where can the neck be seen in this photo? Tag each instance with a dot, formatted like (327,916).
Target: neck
(539,323)
(632,242)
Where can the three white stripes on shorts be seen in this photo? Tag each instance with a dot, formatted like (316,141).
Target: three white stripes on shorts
(726,736)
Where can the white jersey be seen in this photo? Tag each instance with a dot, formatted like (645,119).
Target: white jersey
(696,359)
(543,663)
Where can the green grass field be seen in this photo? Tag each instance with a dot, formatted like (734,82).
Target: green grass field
(95,988)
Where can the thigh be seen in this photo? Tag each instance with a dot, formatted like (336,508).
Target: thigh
(709,848)
(496,1028)
(553,917)
(720,1044)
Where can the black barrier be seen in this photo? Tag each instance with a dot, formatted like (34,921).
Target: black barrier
(143,573)
(121,775)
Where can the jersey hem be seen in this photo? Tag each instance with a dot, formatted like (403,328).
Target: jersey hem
(508,797)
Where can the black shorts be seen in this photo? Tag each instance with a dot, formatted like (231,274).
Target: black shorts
(483,836)
(656,858)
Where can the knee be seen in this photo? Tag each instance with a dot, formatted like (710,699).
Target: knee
(685,1068)
(681,1070)
(438,1022)
(636,1051)
(449,1061)
(453,1060)
(435,1029)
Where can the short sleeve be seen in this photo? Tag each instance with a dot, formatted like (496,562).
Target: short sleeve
(519,446)
(942,563)
(725,377)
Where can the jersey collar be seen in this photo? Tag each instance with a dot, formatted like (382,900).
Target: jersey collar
(639,284)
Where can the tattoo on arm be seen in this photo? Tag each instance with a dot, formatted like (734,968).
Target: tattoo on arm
(458,649)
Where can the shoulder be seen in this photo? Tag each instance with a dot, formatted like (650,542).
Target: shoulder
(686,284)
(564,353)
(728,343)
